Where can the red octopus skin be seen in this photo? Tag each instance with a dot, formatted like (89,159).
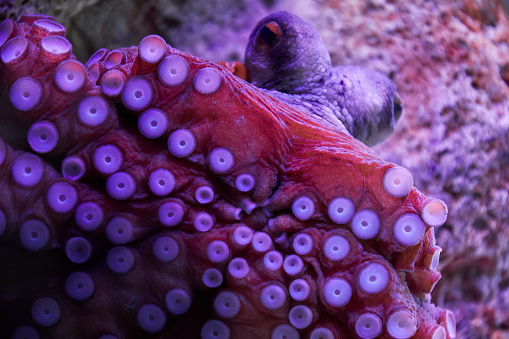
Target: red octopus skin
(287,152)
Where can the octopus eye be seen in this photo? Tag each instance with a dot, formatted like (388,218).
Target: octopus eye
(268,36)
(398,106)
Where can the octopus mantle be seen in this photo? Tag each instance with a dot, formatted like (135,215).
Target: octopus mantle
(169,198)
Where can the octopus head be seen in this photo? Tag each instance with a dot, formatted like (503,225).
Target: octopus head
(285,52)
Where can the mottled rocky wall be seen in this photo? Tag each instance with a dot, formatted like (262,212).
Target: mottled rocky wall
(450,61)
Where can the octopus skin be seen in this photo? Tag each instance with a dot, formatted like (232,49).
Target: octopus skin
(153,194)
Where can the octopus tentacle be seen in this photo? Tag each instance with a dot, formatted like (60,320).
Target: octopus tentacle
(186,193)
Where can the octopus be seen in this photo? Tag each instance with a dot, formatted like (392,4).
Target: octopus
(149,193)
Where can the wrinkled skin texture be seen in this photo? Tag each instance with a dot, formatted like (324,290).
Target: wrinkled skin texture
(284,148)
